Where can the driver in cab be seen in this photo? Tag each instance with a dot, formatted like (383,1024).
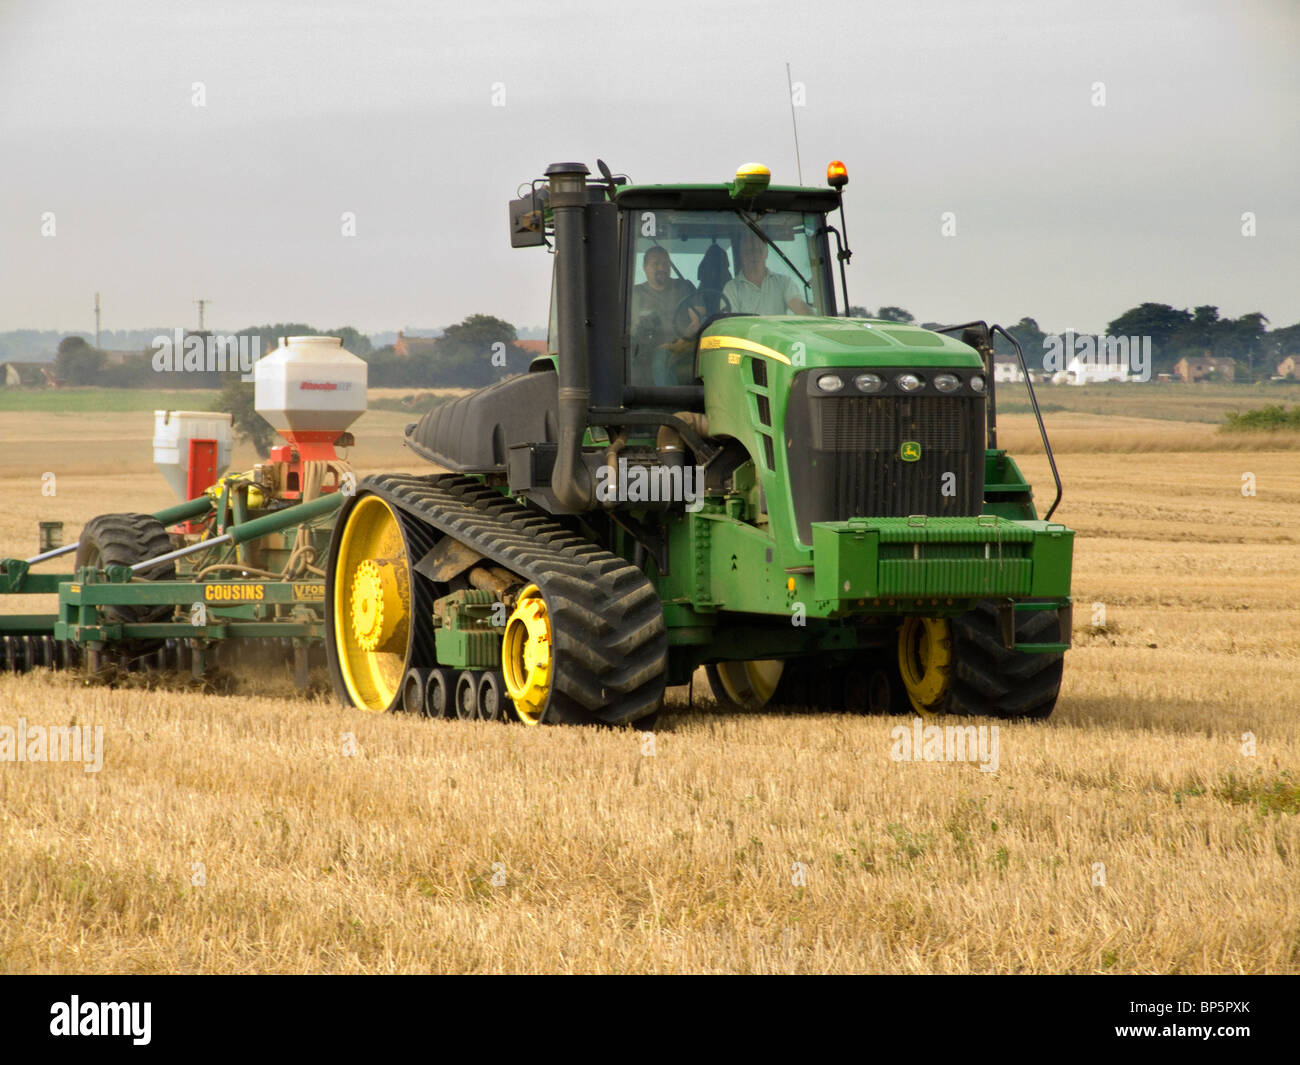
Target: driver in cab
(664,315)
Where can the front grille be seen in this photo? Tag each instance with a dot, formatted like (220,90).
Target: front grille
(883,423)
(845,462)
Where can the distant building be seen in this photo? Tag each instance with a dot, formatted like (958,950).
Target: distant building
(1289,367)
(533,347)
(1006,370)
(26,375)
(408,346)
(121,358)
(1205,368)
(1091,372)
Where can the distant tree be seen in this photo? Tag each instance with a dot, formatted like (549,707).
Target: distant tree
(1160,322)
(895,314)
(1029,336)
(1243,339)
(476,352)
(860,312)
(134,373)
(356,342)
(269,335)
(238,398)
(1279,343)
(77,362)
(1203,332)
(388,369)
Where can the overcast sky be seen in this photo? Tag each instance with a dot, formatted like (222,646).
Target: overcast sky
(1066,211)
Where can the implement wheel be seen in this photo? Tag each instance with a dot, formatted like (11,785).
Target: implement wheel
(378,623)
(746,685)
(124,540)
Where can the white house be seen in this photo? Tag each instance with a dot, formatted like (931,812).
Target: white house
(1007,370)
(1083,371)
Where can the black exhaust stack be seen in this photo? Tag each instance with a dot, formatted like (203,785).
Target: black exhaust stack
(570,481)
(586,240)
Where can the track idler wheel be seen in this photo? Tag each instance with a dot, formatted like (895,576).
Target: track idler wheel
(925,662)
(747,685)
(960,666)
(526,655)
(377,625)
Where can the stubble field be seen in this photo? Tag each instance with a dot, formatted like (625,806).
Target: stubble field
(1129,833)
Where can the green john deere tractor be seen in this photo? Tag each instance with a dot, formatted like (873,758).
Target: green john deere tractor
(711,467)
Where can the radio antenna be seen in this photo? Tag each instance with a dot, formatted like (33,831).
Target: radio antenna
(794,122)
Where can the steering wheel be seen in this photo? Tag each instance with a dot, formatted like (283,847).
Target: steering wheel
(682,321)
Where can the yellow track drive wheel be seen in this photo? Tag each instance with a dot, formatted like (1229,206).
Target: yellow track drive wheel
(527,656)
(925,662)
(748,684)
(377,626)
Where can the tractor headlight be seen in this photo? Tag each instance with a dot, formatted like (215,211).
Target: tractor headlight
(909,382)
(868,382)
(946,382)
(829,382)
(977,384)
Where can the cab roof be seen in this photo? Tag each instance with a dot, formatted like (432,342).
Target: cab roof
(719,198)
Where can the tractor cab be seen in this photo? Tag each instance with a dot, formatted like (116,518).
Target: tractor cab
(690,256)
(687,255)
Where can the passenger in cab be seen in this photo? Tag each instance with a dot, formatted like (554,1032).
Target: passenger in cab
(756,290)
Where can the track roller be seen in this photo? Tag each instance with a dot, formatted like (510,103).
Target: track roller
(492,699)
(413,689)
(440,693)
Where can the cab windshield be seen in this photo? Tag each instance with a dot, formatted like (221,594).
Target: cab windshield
(690,265)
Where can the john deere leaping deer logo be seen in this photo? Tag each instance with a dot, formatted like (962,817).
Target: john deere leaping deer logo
(910,451)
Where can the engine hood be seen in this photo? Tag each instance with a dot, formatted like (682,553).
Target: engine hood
(816,341)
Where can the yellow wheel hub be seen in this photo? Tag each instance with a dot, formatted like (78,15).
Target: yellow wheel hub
(378,605)
(526,655)
(925,662)
(372,605)
(751,683)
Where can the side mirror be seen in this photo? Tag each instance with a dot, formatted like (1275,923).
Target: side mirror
(528,221)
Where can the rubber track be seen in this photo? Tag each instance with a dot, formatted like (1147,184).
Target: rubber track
(610,641)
